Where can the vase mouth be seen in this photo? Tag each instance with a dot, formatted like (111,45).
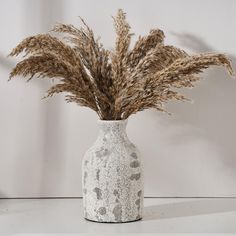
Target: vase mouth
(112,121)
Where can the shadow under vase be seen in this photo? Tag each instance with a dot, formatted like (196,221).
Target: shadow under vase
(190,207)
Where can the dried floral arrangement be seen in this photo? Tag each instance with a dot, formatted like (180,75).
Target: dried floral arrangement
(115,83)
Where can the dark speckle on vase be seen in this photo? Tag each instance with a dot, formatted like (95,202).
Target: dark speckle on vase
(98,174)
(140,193)
(117,211)
(135,176)
(115,192)
(102,152)
(85,177)
(102,211)
(134,164)
(134,155)
(137,202)
(98,193)
(132,145)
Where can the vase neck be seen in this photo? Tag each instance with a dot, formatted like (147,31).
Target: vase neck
(115,129)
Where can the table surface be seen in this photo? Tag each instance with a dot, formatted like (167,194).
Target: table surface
(161,215)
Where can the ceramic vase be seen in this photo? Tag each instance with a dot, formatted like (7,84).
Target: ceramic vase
(112,176)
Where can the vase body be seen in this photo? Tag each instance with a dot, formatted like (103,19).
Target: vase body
(112,176)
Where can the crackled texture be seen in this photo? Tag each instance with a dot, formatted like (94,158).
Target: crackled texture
(112,176)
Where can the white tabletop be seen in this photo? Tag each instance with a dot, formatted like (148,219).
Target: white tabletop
(161,215)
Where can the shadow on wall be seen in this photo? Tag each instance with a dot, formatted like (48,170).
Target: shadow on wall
(199,140)
(49,168)
(215,103)
(52,160)
(5,63)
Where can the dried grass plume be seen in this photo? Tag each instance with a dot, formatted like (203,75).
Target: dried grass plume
(117,83)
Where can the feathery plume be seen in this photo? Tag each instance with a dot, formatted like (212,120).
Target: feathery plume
(118,83)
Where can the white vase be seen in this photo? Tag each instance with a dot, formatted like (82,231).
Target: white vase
(112,176)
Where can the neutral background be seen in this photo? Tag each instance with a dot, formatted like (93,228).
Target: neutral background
(192,153)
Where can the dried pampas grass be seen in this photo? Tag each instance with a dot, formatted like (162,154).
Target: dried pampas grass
(118,83)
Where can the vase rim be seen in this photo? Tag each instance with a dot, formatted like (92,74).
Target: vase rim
(113,121)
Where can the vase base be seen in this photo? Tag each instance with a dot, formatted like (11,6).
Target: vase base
(113,222)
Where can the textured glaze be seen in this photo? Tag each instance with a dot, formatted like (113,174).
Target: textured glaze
(112,176)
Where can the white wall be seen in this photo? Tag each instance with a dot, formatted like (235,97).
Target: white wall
(191,153)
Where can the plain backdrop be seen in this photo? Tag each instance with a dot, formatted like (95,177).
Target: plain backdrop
(191,153)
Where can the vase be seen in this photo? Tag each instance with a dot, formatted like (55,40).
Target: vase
(112,176)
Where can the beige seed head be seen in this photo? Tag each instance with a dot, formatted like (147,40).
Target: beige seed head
(117,83)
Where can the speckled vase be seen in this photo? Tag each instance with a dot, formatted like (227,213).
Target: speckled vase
(112,176)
